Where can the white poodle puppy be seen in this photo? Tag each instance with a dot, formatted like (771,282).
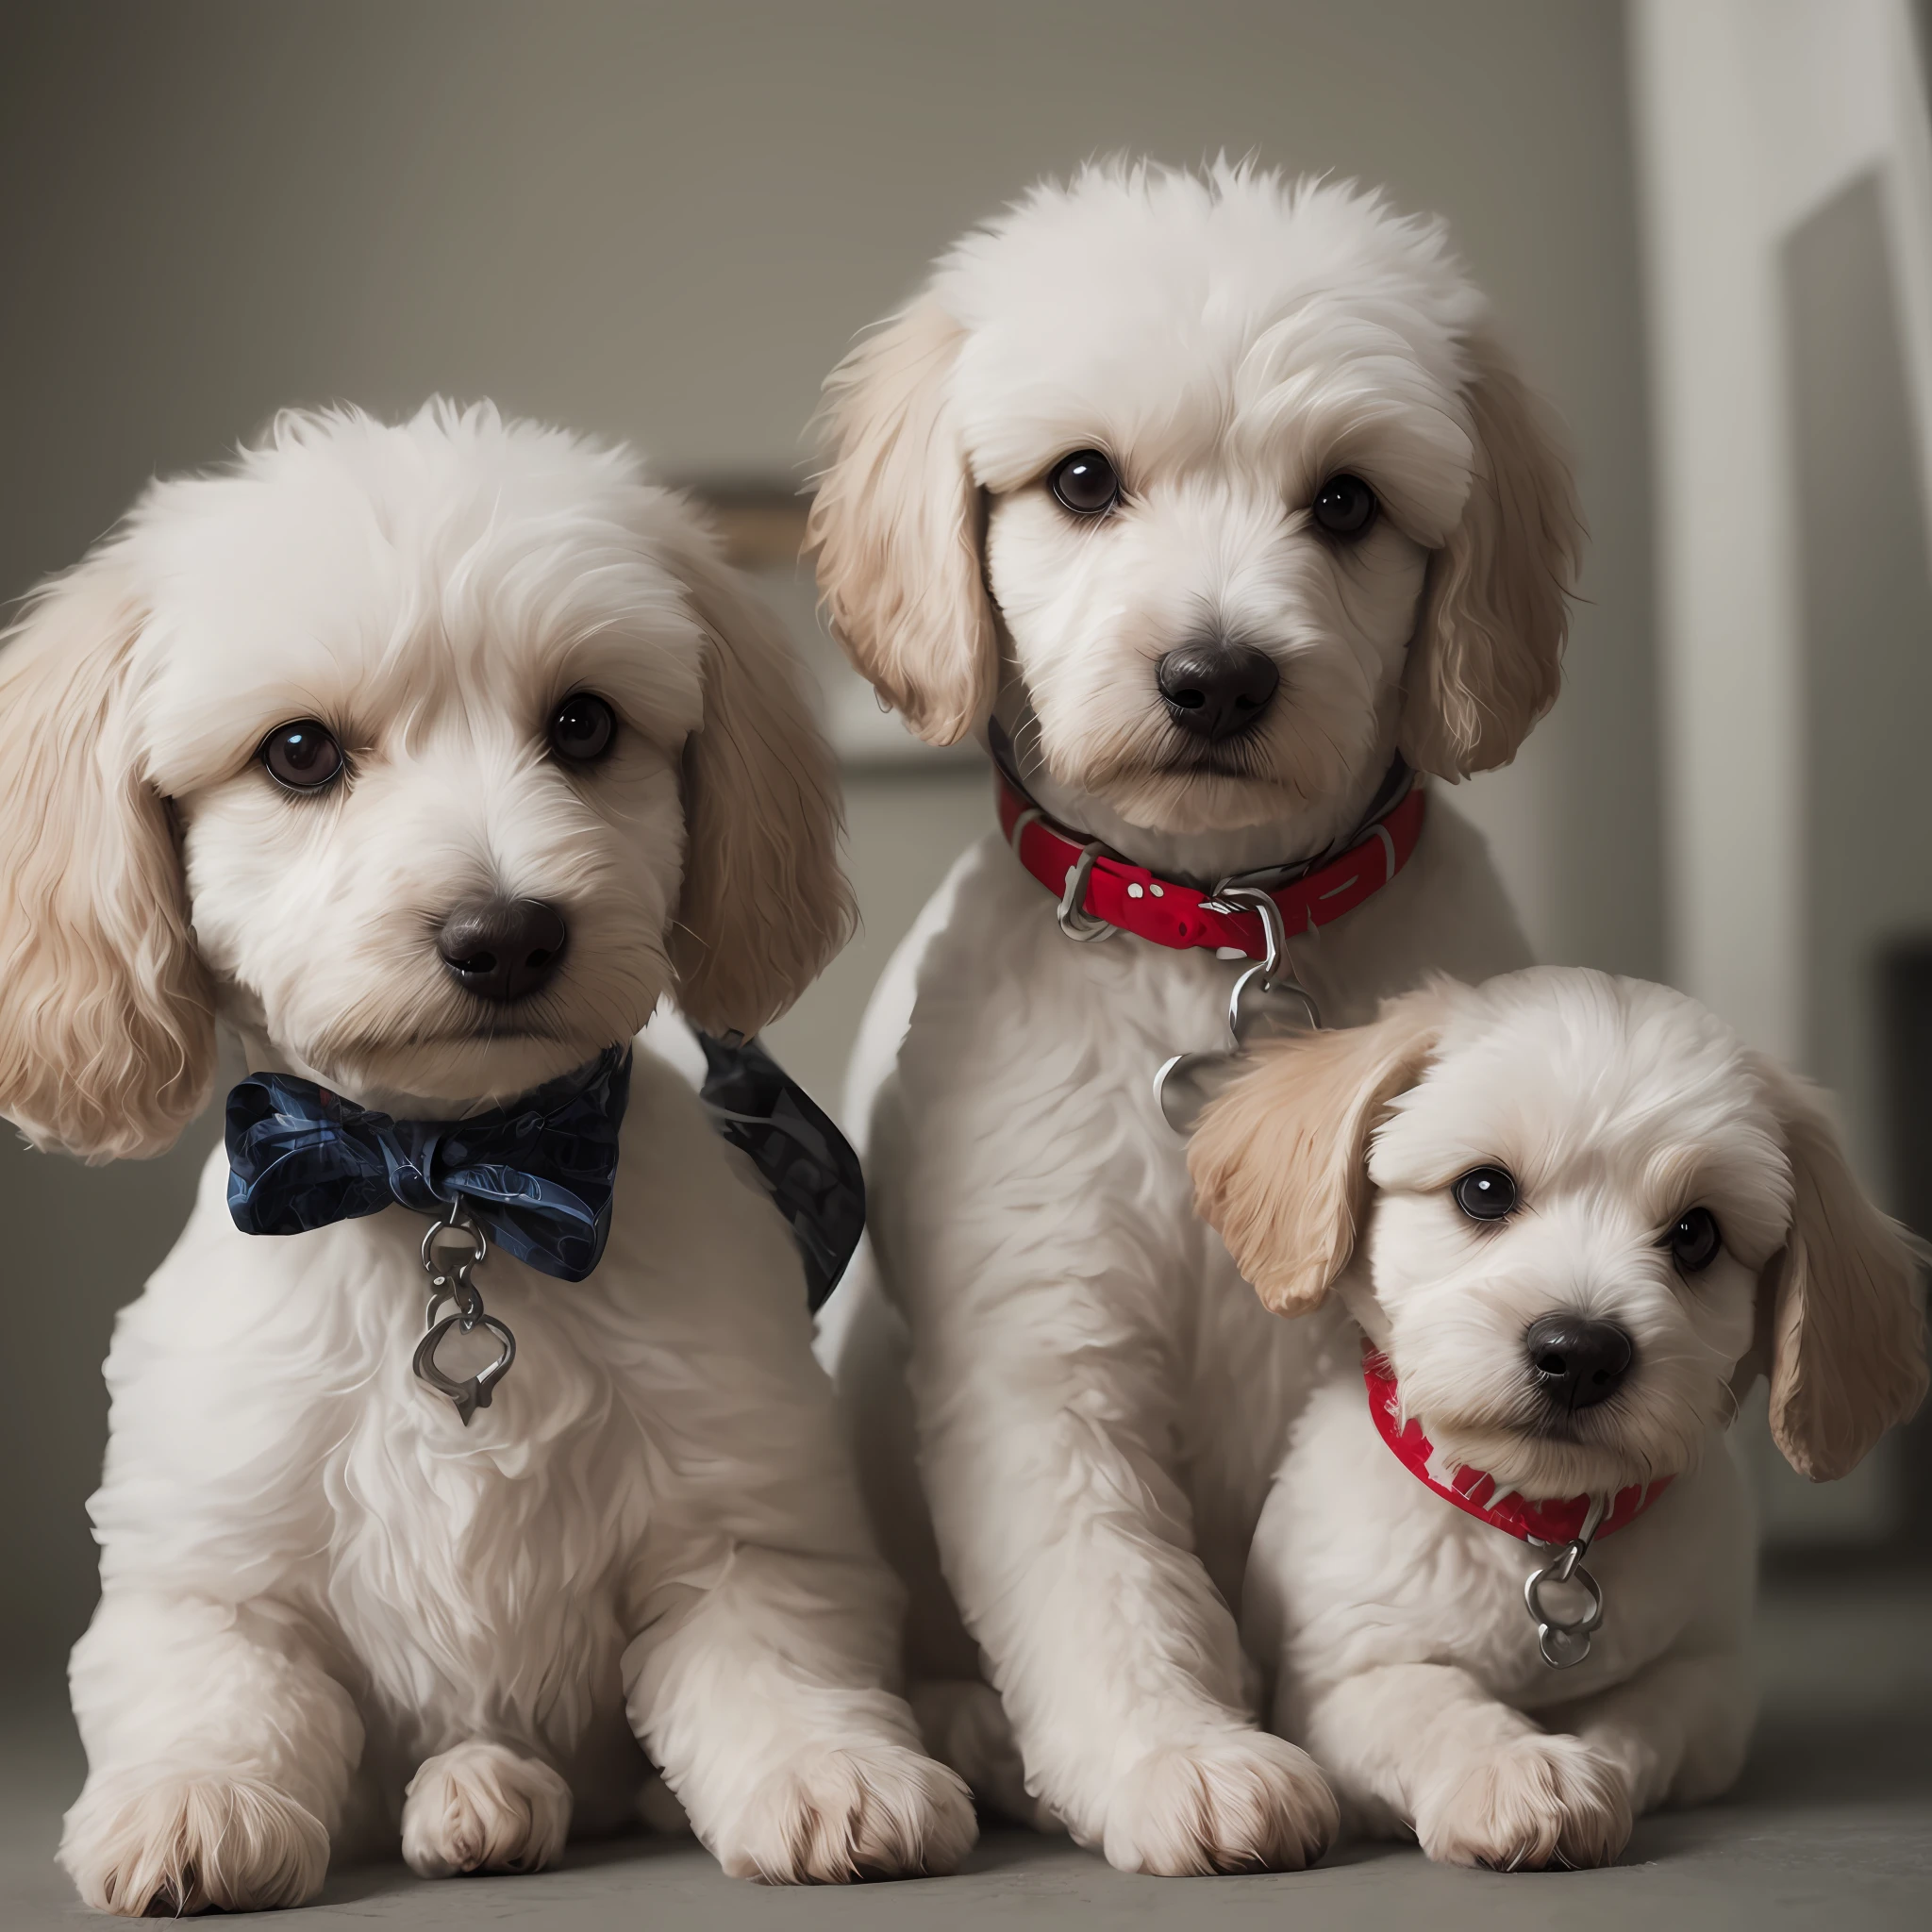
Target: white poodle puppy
(427,758)
(1211,503)
(1566,1220)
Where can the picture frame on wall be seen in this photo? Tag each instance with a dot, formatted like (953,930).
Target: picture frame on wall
(762,523)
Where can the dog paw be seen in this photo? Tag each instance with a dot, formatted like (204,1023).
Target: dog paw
(1532,1803)
(482,1808)
(160,1844)
(965,1724)
(874,1811)
(1245,1803)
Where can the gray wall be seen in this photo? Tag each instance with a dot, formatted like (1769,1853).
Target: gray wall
(1867,617)
(667,224)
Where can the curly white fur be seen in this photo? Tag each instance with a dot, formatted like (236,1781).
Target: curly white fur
(1098,1400)
(323,1598)
(1395,1623)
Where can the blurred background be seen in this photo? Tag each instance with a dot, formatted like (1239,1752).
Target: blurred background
(1707,226)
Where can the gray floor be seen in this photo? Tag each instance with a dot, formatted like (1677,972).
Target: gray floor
(1831,1827)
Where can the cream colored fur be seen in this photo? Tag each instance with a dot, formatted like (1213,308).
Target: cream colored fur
(107,1016)
(1394,1622)
(330,1613)
(1097,1401)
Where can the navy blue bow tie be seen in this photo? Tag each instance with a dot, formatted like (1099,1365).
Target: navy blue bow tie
(537,1173)
(806,1164)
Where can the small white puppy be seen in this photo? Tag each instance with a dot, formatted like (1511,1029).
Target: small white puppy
(1573,1219)
(427,758)
(1215,501)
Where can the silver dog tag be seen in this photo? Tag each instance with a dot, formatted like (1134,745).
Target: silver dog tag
(1184,1085)
(1266,1002)
(467,1319)
(1565,1627)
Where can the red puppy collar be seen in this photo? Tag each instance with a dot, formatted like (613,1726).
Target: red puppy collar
(1132,898)
(1475,1492)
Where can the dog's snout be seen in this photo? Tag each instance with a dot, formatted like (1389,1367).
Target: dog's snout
(1214,689)
(503,949)
(1578,1363)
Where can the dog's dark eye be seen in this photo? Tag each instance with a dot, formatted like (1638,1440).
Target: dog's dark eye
(583,727)
(1486,1193)
(1086,483)
(303,755)
(1344,506)
(1695,1240)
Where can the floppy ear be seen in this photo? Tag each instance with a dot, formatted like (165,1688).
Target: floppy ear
(1280,1159)
(1847,1334)
(106,1024)
(764,903)
(1486,659)
(896,524)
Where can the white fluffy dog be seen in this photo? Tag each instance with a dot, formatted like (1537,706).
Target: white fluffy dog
(1215,499)
(262,751)
(1574,1219)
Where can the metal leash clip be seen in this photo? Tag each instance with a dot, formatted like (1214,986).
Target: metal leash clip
(1565,1640)
(1267,1002)
(467,1314)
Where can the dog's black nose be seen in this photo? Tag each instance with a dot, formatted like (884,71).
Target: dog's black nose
(1578,1363)
(503,949)
(1215,689)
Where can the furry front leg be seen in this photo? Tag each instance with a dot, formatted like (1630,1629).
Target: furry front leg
(764,1706)
(1119,1663)
(1479,1783)
(1678,1729)
(219,1755)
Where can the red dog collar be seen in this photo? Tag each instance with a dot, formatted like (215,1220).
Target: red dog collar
(1129,896)
(1476,1493)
